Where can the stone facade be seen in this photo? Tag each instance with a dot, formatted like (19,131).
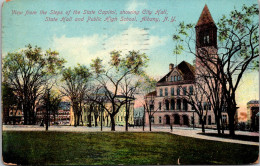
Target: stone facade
(169,102)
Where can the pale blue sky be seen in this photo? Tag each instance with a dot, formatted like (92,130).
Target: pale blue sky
(81,42)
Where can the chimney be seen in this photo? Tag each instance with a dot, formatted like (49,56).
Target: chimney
(171,66)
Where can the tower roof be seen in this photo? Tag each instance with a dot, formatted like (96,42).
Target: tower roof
(205,17)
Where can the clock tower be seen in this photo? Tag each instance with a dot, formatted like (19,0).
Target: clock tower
(206,36)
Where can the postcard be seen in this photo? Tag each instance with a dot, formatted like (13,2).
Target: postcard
(133,82)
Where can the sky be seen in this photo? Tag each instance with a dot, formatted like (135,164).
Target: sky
(79,42)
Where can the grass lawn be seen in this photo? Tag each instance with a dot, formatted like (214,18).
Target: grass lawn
(113,148)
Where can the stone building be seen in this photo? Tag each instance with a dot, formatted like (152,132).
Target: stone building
(253,114)
(169,101)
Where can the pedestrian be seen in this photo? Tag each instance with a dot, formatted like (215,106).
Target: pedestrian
(171,127)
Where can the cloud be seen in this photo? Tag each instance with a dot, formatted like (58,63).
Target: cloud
(134,5)
(83,49)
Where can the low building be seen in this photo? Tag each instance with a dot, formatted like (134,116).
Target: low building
(97,113)
(139,116)
(253,115)
(62,117)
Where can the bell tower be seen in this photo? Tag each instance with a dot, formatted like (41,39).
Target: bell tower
(206,30)
(206,37)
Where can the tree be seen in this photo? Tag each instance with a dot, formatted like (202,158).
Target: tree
(94,99)
(129,88)
(27,72)
(111,78)
(75,87)
(146,90)
(237,52)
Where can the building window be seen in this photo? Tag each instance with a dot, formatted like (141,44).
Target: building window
(152,119)
(161,92)
(209,120)
(175,78)
(178,91)
(171,78)
(151,107)
(191,90)
(185,105)
(184,91)
(166,91)
(172,91)
(160,105)
(224,118)
(209,106)
(121,118)
(172,104)
(205,106)
(118,118)
(179,78)
(167,104)
(160,119)
(178,104)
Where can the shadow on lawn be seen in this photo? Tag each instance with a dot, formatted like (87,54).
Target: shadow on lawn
(236,137)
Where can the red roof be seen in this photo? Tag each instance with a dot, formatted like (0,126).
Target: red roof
(205,17)
(187,71)
(153,93)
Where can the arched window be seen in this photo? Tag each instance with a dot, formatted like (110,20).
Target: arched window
(178,91)
(172,91)
(178,104)
(184,90)
(185,105)
(160,105)
(166,104)
(171,78)
(191,90)
(172,104)
(166,91)
(175,78)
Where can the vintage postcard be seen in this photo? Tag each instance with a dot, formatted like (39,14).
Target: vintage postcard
(130,82)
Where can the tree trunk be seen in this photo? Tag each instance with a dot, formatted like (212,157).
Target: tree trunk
(202,124)
(96,117)
(113,125)
(127,115)
(101,123)
(150,123)
(25,114)
(218,123)
(231,124)
(89,118)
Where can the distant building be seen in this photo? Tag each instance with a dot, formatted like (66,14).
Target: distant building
(138,116)
(97,114)
(15,116)
(253,114)
(64,113)
(62,117)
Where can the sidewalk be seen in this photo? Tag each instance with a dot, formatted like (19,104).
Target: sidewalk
(182,131)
